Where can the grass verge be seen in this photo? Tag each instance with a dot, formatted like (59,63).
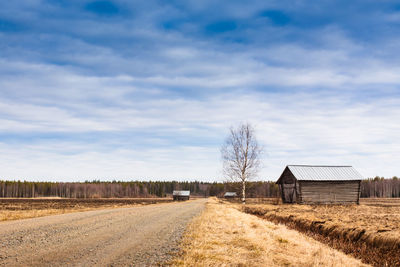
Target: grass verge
(224,236)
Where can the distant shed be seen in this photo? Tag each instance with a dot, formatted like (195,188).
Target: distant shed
(230,195)
(181,195)
(320,184)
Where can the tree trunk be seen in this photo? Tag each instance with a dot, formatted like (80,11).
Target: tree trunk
(243,192)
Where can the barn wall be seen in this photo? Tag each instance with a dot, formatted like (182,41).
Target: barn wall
(287,177)
(289,193)
(288,186)
(181,197)
(329,192)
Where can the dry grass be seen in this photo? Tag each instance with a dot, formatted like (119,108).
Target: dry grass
(377,221)
(370,231)
(224,236)
(23,208)
(9,215)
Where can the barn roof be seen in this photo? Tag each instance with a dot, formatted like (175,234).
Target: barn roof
(230,194)
(181,193)
(324,173)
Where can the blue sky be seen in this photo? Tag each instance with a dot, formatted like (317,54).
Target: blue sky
(148,89)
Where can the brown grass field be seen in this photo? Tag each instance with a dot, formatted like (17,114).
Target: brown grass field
(224,236)
(23,208)
(369,231)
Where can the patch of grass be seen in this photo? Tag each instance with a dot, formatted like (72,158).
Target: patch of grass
(282,240)
(250,241)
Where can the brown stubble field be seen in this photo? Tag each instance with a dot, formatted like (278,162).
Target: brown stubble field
(23,208)
(369,231)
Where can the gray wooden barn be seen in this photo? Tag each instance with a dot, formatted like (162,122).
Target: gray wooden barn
(181,195)
(307,184)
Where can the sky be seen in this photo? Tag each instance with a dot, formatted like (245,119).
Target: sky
(148,90)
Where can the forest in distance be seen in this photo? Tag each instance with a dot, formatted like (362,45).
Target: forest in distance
(373,187)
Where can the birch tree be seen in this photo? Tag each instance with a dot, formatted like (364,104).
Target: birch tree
(241,156)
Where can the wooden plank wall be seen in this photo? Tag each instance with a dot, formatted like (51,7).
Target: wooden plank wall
(288,187)
(289,193)
(324,192)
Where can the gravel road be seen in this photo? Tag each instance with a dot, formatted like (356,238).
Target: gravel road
(138,236)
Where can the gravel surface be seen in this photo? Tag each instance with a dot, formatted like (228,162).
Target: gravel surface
(139,236)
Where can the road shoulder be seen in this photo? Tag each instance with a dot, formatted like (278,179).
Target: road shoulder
(223,235)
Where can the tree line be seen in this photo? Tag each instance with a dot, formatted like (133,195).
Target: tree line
(120,189)
(380,187)
(373,187)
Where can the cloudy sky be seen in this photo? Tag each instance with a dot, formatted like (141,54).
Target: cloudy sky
(148,89)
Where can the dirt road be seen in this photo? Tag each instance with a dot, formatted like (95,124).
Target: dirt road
(139,236)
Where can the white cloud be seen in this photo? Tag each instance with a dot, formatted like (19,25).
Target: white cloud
(158,104)
(295,128)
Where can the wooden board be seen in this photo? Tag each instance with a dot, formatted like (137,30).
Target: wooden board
(324,192)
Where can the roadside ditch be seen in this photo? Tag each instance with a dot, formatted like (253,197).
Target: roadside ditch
(356,242)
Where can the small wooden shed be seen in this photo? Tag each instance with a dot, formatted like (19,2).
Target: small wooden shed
(181,195)
(306,184)
(230,195)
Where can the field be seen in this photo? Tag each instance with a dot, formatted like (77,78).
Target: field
(224,236)
(22,208)
(369,231)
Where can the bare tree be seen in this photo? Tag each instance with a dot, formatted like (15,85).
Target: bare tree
(241,155)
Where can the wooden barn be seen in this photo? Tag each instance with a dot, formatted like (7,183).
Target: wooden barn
(306,184)
(181,195)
